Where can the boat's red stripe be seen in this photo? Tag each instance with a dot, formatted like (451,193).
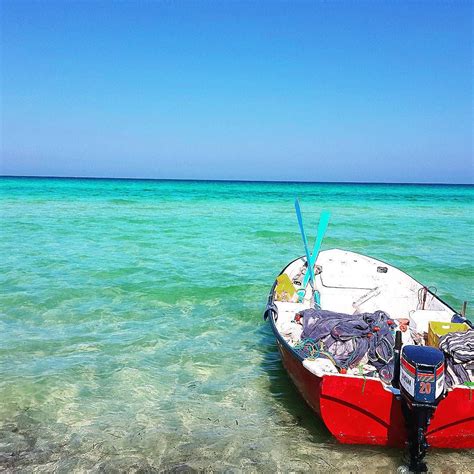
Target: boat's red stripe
(440,370)
(426,378)
(408,367)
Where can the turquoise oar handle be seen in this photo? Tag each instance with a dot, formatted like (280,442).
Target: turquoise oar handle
(322,227)
(305,242)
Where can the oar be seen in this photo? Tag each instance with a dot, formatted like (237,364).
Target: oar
(322,227)
(305,242)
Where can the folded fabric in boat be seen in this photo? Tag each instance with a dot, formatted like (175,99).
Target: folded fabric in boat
(458,348)
(348,338)
(291,331)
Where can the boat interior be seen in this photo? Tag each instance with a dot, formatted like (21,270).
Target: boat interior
(350,283)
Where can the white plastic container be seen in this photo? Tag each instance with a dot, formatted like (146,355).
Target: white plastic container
(320,367)
(420,318)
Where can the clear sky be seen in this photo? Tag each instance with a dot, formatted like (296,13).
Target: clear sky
(269,90)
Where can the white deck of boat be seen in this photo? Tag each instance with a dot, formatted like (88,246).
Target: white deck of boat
(353,283)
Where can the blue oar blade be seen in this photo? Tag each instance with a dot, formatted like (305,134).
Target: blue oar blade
(305,242)
(322,227)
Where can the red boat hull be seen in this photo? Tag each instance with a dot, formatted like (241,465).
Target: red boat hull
(358,411)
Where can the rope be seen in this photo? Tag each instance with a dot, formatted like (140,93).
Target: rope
(361,372)
(470,386)
(423,295)
(313,350)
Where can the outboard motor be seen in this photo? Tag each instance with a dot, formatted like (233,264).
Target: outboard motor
(422,388)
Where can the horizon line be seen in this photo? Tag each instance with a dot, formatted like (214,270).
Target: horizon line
(231,180)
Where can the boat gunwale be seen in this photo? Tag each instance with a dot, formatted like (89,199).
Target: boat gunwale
(276,332)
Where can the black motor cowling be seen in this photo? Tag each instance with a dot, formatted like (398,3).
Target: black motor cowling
(421,387)
(422,375)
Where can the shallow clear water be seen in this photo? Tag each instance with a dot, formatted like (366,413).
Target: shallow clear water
(131,331)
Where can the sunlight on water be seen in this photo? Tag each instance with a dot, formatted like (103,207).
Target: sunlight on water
(131,331)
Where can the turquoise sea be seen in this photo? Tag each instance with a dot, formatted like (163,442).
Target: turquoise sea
(131,331)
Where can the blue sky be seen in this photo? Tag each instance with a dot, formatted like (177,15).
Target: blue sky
(307,91)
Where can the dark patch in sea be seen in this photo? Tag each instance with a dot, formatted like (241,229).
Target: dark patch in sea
(126,202)
(273,234)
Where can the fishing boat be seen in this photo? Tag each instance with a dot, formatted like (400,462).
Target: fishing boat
(361,408)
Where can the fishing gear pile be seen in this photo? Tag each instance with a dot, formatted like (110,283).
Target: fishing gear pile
(348,339)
